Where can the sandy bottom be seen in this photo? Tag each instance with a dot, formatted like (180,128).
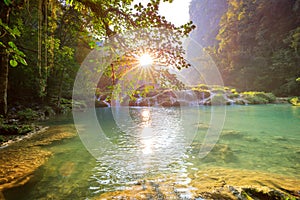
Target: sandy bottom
(20,159)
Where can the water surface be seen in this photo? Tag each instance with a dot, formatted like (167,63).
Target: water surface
(162,145)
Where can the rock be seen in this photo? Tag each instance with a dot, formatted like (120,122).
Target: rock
(240,102)
(218,99)
(231,134)
(177,103)
(152,93)
(165,97)
(201,94)
(143,102)
(223,183)
(212,183)
(166,104)
(19,160)
(217,152)
(191,96)
(282,100)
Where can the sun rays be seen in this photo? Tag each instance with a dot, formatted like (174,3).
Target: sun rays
(145,60)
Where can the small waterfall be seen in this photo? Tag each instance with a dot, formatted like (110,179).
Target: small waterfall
(187,97)
(204,100)
(148,102)
(108,105)
(139,100)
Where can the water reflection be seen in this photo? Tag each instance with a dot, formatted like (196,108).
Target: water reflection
(151,141)
(146,140)
(145,113)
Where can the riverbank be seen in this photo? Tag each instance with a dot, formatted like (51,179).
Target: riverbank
(7,140)
(20,159)
(23,120)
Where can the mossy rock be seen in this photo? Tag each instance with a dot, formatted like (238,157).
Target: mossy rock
(233,95)
(256,100)
(203,87)
(258,97)
(231,134)
(241,102)
(218,99)
(225,183)
(218,90)
(217,153)
(201,94)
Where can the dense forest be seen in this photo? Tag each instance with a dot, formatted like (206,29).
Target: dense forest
(43,43)
(255,43)
(39,50)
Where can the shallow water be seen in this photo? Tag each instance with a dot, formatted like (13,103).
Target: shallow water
(166,145)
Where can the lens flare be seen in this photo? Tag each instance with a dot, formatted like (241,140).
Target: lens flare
(145,60)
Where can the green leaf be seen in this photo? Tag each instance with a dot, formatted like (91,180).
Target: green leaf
(23,61)
(12,44)
(20,53)
(13,63)
(1,44)
(298,79)
(92,44)
(7,2)
(15,31)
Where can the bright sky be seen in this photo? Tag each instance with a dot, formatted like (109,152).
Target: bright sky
(176,12)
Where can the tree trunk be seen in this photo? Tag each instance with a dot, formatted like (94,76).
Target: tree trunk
(113,77)
(4,56)
(60,88)
(3,84)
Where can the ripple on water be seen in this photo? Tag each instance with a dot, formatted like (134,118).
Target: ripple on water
(160,164)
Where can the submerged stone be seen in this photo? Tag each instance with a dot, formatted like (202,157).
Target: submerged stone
(222,183)
(231,134)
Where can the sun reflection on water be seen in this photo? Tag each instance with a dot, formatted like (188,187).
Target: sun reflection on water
(147,140)
(145,115)
(146,134)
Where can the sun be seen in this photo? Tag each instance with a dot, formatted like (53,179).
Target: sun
(145,60)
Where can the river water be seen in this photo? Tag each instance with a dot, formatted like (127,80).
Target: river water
(166,145)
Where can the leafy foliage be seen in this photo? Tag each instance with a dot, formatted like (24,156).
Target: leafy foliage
(295,101)
(258,43)
(27,114)
(48,40)
(17,56)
